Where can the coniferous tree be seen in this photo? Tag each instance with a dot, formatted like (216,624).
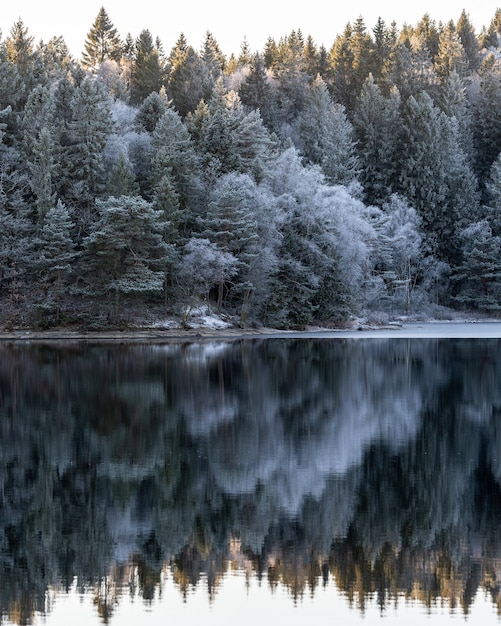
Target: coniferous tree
(487,121)
(479,274)
(124,255)
(102,43)
(43,170)
(186,83)
(150,112)
(469,39)
(174,154)
(451,56)
(435,176)
(89,130)
(57,253)
(148,72)
(327,136)
(255,91)
(378,127)
(229,223)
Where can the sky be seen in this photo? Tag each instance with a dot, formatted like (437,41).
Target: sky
(227,20)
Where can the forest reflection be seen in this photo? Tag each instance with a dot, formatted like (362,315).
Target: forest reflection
(375,464)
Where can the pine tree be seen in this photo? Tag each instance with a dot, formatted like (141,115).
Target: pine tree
(102,43)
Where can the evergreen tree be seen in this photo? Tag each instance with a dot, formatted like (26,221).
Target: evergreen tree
(451,56)
(148,72)
(469,40)
(478,276)
(327,136)
(150,112)
(20,52)
(229,223)
(89,130)
(124,255)
(56,256)
(43,169)
(213,60)
(174,154)
(435,176)
(255,91)
(186,83)
(102,43)
(378,126)
(487,121)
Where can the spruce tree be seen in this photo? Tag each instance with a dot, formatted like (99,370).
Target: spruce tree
(186,83)
(378,128)
(102,43)
(148,72)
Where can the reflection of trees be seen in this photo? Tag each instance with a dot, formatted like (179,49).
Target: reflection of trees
(374,463)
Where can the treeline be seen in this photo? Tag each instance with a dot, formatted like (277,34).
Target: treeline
(283,187)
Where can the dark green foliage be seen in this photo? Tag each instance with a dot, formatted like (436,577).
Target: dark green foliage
(102,43)
(148,72)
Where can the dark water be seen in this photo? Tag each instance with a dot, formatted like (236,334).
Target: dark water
(208,481)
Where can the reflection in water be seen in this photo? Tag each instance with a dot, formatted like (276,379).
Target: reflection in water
(373,464)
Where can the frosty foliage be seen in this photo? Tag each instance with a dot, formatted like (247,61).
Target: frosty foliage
(291,186)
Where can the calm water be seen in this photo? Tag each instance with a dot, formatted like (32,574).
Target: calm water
(215,482)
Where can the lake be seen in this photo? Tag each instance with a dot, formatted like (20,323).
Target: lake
(299,478)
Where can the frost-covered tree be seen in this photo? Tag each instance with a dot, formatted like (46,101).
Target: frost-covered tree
(43,170)
(323,248)
(57,254)
(124,255)
(202,266)
(150,112)
(327,137)
(398,255)
(230,223)
(478,275)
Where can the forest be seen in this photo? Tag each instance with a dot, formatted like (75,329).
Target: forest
(286,187)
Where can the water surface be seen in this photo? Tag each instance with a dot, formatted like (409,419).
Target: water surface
(229,480)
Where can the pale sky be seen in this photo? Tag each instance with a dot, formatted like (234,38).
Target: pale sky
(229,22)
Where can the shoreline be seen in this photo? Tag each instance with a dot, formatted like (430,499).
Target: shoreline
(429,329)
